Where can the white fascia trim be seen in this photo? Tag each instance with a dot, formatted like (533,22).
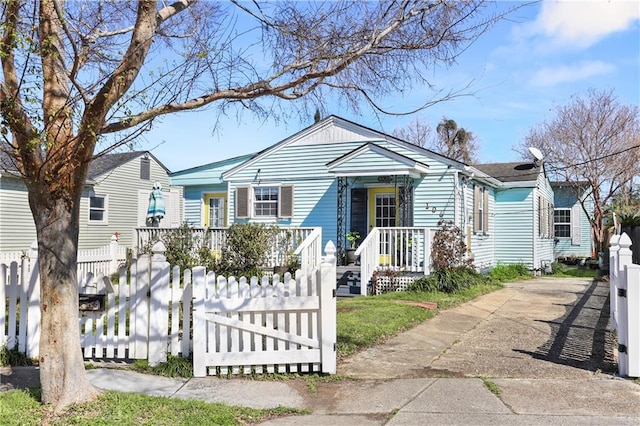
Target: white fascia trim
(376,173)
(523,184)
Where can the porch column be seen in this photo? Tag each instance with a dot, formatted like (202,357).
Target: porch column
(342,217)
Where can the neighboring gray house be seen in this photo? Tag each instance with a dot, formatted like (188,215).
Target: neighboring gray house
(115,199)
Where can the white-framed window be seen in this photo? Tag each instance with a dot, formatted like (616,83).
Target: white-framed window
(269,201)
(265,201)
(562,223)
(98,205)
(480,209)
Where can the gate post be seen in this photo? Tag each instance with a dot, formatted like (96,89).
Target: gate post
(198,286)
(33,316)
(614,275)
(159,306)
(327,317)
(139,331)
(633,324)
(624,259)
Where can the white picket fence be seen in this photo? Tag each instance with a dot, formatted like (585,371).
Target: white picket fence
(624,299)
(102,260)
(286,326)
(148,314)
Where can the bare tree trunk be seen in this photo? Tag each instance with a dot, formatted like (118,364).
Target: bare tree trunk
(62,374)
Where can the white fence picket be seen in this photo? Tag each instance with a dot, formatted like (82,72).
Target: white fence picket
(3,297)
(158,307)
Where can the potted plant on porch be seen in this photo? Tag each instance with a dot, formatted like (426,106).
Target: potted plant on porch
(353,238)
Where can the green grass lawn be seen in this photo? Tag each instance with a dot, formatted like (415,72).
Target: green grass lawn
(361,323)
(572,271)
(22,407)
(365,321)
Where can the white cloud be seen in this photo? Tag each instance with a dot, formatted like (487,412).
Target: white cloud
(551,76)
(583,23)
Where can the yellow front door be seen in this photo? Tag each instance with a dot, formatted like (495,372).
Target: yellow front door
(215,206)
(383,212)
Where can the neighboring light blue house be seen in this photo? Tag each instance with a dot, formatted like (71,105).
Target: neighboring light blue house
(342,177)
(206,193)
(571,223)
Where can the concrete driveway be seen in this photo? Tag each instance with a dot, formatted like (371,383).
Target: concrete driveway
(539,328)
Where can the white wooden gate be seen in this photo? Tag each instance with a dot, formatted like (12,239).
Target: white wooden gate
(286,325)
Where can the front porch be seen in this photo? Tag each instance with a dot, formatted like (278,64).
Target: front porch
(406,250)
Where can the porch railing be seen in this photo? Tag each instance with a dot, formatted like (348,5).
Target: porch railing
(310,251)
(215,238)
(405,249)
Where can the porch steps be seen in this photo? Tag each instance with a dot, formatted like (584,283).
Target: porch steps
(348,281)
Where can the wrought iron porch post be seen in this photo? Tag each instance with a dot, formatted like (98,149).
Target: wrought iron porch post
(342,217)
(406,202)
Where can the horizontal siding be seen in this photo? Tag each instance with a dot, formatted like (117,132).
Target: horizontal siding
(294,163)
(482,246)
(315,205)
(194,201)
(207,174)
(434,191)
(365,162)
(545,243)
(300,164)
(566,198)
(17,230)
(122,186)
(514,226)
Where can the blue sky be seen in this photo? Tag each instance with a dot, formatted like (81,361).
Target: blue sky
(519,71)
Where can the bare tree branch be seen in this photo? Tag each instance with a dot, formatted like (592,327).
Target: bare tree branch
(593,139)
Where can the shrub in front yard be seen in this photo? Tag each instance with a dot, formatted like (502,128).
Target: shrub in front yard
(448,250)
(246,248)
(452,268)
(182,247)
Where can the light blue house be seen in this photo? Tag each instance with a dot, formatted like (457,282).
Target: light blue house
(571,223)
(344,177)
(523,213)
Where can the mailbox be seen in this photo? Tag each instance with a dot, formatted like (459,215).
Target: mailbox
(91,302)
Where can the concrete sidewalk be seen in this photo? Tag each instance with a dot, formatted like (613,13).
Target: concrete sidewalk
(536,343)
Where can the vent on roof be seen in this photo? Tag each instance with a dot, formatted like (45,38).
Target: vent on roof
(145,168)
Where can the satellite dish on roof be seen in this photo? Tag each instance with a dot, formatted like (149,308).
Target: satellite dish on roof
(536,153)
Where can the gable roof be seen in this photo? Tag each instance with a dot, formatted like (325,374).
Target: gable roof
(511,172)
(568,183)
(359,162)
(205,173)
(99,166)
(337,129)
(109,162)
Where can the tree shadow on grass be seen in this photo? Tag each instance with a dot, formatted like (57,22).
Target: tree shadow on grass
(580,338)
